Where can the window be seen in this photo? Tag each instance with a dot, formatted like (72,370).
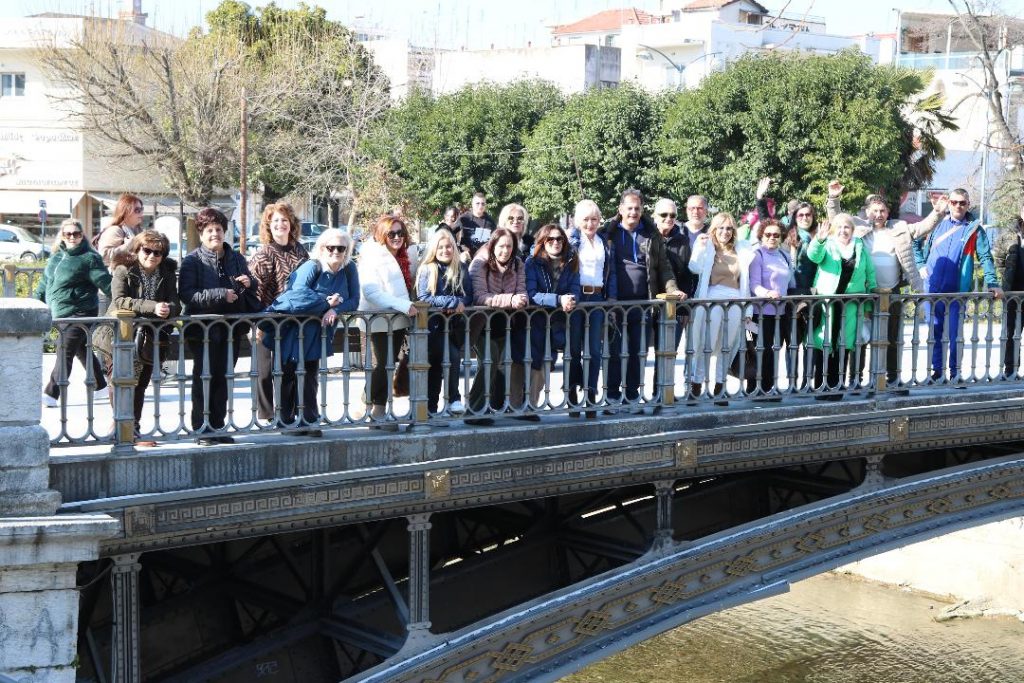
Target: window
(12,85)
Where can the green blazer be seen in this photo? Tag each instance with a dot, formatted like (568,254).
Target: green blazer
(826,282)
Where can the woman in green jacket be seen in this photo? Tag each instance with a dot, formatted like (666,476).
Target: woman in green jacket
(844,267)
(70,285)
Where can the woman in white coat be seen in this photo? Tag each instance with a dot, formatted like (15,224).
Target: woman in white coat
(386,286)
(722,263)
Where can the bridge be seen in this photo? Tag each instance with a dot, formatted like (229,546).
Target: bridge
(453,553)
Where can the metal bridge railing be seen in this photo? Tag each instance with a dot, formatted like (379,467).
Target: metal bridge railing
(487,363)
(18,280)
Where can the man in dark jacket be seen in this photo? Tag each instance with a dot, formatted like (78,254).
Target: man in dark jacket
(476,224)
(643,272)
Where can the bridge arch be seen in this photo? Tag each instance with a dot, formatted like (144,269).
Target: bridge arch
(553,636)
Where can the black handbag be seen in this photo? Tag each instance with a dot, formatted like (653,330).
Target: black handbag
(749,355)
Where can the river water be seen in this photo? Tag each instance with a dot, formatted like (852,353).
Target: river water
(828,629)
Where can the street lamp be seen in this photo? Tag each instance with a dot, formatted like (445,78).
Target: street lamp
(645,54)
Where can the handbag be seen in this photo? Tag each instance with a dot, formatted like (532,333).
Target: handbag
(400,380)
(749,360)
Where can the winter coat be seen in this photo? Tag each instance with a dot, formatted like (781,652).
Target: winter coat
(115,242)
(660,278)
(126,289)
(72,280)
(203,285)
(308,289)
(383,288)
(826,255)
(541,287)
(976,244)
(272,265)
(445,298)
(903,236)
(495,288)
(703,259)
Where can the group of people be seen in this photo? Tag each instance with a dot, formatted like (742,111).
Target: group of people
(534,296)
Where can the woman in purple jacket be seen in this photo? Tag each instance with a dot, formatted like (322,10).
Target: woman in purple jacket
(770,277)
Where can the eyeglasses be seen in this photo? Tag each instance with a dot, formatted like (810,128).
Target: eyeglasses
(667,215)
(805,214)
(151,252)
(76,233)
(396,234)
(773,235)
(516,219)
(138,209)
(958,202)
(336,248)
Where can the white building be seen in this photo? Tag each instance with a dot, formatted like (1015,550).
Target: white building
(45,160)
(406,66)
(573,68)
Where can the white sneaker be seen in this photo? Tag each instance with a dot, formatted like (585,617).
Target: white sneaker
(456,407)
(50,401)
(101,394)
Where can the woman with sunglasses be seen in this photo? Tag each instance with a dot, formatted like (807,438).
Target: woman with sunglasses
(552,283)
(515,218)
(385,279)
(145,282)
(324,286)
(443,282)
(723,266)
(770,276)
(70,286)
(280,253)
(499,282)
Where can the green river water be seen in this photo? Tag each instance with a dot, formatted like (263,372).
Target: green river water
(828,629)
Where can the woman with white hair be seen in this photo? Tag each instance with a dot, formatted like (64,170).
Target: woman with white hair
(599,283)
(517,219)
(324,286)
(443,282)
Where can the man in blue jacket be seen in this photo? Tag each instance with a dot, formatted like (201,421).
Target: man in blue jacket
(947,258)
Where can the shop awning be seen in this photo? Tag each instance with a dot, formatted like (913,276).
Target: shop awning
(165,205)
(27,201)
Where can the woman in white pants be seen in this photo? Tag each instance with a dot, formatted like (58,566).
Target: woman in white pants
(722,264)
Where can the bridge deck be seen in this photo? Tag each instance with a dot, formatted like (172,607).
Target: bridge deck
(266,484)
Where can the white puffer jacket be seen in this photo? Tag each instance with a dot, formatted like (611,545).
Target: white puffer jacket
(382,287)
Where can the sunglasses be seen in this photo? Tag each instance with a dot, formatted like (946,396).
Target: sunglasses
(336,248)
(76,233)
(138,209)
(958,202)
(151,252)
(805,214)
(554,240)
(516,219)
(667,215)
(772,235)
(396,234)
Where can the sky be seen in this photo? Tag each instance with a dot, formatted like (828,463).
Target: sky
(477,24)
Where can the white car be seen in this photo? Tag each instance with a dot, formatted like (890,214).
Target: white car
(17,243)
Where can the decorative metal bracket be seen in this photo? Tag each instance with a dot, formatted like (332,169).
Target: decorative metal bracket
(437,484)
(899,429)
(686,453)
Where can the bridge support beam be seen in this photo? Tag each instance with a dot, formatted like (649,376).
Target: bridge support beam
(663,491)
(124,650)
(418,625)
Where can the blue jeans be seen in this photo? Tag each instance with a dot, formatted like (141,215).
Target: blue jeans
(590,323)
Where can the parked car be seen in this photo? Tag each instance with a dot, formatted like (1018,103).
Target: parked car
(18,243)
(310,231)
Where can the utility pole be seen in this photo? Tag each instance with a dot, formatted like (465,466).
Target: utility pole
(243,208)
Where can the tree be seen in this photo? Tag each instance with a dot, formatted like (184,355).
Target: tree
(153,98)
(802,120)
(445,149)
(993,34)
(600,143)
(313,91)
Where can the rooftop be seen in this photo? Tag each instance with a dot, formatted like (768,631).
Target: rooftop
(608,20)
